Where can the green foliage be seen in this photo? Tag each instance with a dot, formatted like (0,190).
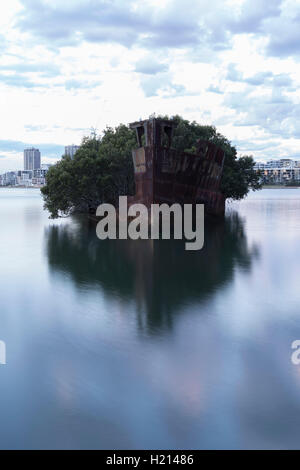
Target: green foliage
(238,173)
(102,168)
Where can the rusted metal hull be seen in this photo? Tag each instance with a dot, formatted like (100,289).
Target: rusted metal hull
(164,175)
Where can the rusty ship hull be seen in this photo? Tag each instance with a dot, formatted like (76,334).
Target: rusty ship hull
(164,175)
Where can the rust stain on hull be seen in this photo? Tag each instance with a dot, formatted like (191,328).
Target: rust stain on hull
(164,175)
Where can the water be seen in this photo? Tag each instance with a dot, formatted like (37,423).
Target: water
(144,345)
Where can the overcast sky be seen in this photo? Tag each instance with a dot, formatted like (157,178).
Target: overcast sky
(70,65)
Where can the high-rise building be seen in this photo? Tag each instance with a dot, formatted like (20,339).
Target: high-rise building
(32,159)
(70,150)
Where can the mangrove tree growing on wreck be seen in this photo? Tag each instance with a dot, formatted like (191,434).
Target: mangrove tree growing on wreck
(102,168)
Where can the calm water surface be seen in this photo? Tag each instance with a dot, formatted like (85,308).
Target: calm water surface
(144,345)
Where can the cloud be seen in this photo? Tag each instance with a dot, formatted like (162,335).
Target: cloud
(177,24)
(275,113)
(44,69)
(275,20)
(32,128)
(3,43)
(73,84)
(43,128)
(22,80)
(266,78)
(152,84)
(67,23)
(203,25)
(245,145)
(253,15)
(259,78)
(18,81)
(203,28)
(48,150)
(18,74)
(214,89)
(233,74)
(150,66)
(282,80)
(162,83)
(236,76)
(284,37)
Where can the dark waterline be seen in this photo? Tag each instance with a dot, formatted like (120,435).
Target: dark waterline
(123,344)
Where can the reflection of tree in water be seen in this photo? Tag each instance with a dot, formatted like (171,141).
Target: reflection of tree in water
(159,275)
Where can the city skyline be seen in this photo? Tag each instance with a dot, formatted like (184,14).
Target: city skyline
(72,148)
(68,150)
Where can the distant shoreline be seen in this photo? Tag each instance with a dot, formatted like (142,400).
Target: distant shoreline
(267,186)
(21,187)
(279,186)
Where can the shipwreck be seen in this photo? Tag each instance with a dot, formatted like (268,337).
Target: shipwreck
(165,175)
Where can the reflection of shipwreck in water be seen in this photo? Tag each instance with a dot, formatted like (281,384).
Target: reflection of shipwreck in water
(164,175)
(155,278)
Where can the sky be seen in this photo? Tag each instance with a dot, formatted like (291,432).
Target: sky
(67,67)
